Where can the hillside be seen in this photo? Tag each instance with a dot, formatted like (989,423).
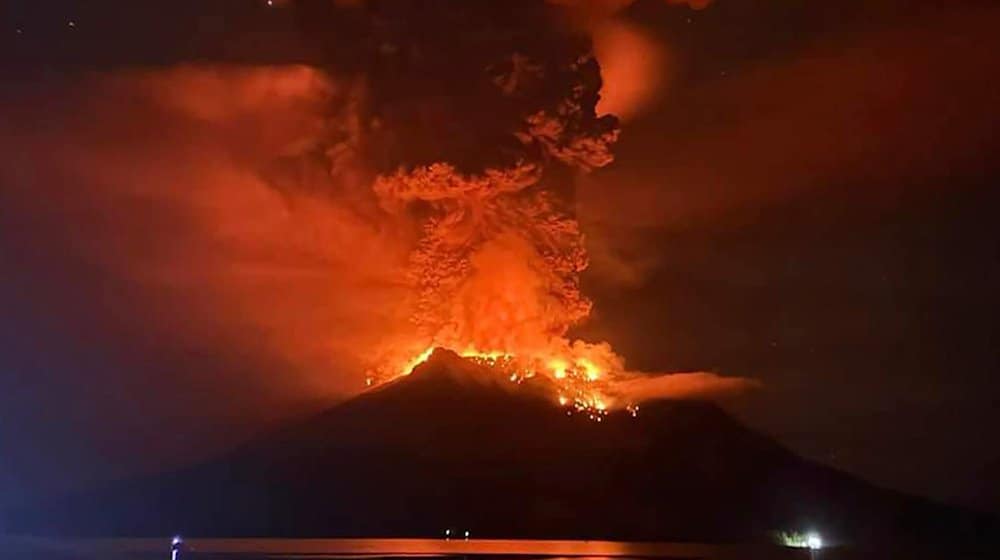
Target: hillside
(454,446)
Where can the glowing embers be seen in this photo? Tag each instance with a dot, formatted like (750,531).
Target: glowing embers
(499,361)
(578,384)
(594,407)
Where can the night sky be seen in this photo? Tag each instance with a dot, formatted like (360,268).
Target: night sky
(807,199)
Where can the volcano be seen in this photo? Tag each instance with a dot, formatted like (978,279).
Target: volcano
(455,446)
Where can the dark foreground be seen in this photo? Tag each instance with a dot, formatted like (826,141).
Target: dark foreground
(141,549)
(454,446)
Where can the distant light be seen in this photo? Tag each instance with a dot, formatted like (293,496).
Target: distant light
(466,535)
(176,540)
(795,539)
(71,23)
(270,2)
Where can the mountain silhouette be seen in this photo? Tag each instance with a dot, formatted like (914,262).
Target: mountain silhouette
(454,446)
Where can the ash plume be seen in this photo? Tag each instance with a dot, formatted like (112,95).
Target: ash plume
(316,220)
(512,222)
(473,142)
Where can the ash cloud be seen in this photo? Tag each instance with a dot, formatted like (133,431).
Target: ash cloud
(902,103)
(173,179)
(201,247)
(472,140)
(687,385)
(253,234)
(159,276)
(498,261)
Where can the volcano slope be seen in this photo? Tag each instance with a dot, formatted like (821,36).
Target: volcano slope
(453,445)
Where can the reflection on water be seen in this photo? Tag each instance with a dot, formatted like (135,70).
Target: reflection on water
(260,549)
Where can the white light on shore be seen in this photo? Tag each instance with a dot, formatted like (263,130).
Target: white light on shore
(814,541)
(794,539)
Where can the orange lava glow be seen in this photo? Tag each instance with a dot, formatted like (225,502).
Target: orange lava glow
(581,384)
(493,274)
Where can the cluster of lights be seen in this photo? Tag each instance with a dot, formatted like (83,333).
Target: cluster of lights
(447,535)
(812,540)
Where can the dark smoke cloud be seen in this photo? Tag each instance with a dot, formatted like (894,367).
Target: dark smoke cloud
(222,220)
(513,210)
(174,180)
(163,289)
(209,238)
(911,102)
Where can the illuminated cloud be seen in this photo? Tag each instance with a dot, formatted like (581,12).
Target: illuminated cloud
(691,385)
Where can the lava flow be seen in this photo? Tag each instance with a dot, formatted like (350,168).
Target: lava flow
(581,385)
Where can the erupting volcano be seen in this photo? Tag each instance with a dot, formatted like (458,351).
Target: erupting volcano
(373,268)
(479,162)
(495,271)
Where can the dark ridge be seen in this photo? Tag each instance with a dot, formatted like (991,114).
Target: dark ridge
(453,446)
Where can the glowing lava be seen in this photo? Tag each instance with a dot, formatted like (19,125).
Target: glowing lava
(493,272)
(580,384)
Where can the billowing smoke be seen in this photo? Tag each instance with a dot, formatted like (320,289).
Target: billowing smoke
(165,289)
(276,230)
(243,239)
(477,154)
(500,252)
(188,185)
(697,384)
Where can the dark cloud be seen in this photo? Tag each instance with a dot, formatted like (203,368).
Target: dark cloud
(808,203)
(904,104)
(162,291)
(201,244)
